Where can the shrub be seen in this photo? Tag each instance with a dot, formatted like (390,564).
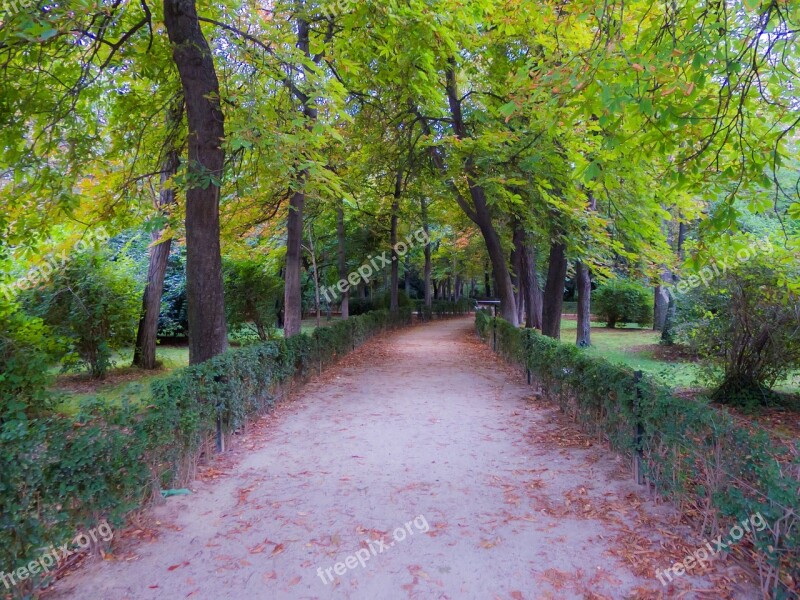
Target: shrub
(251,294)
(620,302)
(747,327)
(93,302)
(27,348)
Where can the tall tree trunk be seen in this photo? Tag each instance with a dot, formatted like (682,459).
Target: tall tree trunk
(530,291)
(479,212)
(407,275)
(395,266)
(583,282)
(293,294)
(144,352)
(208,334)
(427,250)
(313,254)
(340,237)
(554,290)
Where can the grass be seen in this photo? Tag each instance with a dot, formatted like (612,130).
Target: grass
(126,382)
(636,348)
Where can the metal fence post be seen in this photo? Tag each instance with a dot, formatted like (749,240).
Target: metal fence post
(638,455)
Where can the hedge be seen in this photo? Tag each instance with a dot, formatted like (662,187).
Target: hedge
(444,308)
(63,475)
(692,453)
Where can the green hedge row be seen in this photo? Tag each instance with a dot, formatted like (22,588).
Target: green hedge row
(444,308)
(61,475)
(692,453)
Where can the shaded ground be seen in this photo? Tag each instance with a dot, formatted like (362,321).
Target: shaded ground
(427,432)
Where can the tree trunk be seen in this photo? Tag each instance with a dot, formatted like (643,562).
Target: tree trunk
(395,266)
(479,213)
(530,292)
(554,290)
(487,285)
(293,294)
(340,236)
(208,334)
(583,282)
(144,352)
(427,249)
(313,254)
(407,275)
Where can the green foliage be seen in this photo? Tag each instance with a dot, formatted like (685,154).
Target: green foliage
(747,327)
(444,308)
(251,296)
(94,304)
(173,319)
(27,348)
(59,474)
(619,301)
(691,451)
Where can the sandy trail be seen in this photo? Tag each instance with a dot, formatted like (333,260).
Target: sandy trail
(425,424)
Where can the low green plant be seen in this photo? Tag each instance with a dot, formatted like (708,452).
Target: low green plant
(92,303)
(619,301)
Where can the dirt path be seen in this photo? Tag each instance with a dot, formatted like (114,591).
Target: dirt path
(425,440)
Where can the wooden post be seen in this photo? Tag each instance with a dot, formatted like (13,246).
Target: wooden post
(638,454)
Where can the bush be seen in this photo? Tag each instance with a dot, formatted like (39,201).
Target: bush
(747,327)
(692,453)
(251,295)
(27,348)
(620,302)
(93,302)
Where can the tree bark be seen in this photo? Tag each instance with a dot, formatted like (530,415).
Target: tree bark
(144,352)
(530,291)
(427,250)
(342,266)
(293,294)
(554,290)
(583,282)
(208,334)
(395,266)
(479,212)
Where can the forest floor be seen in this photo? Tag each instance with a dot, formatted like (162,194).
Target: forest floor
(428,469)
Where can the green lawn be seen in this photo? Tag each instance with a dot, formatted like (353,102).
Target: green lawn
(633,346)
(123,381)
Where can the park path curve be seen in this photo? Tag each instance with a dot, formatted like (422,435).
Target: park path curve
(510,501)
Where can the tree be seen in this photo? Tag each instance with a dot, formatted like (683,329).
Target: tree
(144,352)
(208,335)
